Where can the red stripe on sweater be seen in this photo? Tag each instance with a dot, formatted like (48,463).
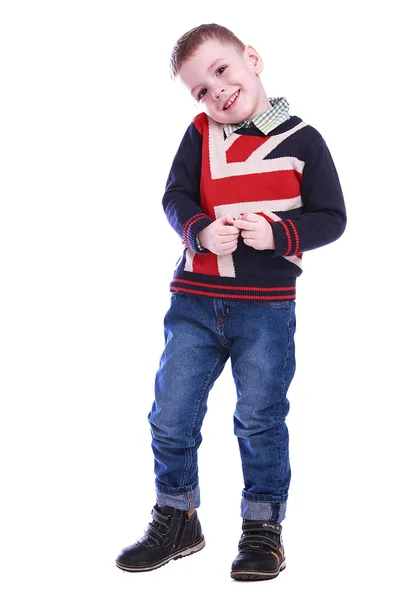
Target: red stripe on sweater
(266,217)
(237,296)
(206,263)
(296,235)
(285,227)
(189,224)
(234,287)
(243,147)
(259,186)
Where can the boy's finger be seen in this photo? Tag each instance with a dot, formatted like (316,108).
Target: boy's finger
(229,230)
(241,224)
(227,219)
(253,217)
(226,239)
(245,216)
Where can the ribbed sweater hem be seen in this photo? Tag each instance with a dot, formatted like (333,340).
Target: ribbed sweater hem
(266,289)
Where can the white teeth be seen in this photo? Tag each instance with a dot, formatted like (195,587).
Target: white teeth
(231,100)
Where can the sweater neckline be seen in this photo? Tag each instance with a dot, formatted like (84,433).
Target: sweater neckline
(283,127)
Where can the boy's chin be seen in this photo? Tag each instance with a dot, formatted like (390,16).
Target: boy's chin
(228,119)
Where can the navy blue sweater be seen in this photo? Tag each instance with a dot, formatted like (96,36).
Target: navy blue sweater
(288,176)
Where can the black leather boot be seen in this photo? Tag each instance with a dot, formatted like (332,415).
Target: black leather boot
(171,535)
(261,553)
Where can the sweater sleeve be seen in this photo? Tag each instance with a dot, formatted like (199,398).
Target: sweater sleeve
(181,200)
(323,219)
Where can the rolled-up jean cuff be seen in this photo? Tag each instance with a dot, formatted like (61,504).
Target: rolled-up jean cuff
(183,501)
(263,511)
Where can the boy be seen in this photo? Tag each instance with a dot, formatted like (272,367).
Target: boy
(250,189)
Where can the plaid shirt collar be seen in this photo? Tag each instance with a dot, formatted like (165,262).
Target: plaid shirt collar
(266,121)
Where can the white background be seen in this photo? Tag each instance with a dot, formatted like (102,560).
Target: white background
(86,256)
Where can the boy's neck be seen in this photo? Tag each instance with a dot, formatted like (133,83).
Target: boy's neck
(265,106)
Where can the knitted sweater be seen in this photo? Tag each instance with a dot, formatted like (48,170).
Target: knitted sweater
(287,176)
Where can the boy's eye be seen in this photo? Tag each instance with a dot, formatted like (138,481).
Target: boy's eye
(201,93)
(221,70)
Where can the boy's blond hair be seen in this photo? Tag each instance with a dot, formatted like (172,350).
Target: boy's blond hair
(190,41)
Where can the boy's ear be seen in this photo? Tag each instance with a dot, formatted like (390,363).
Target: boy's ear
(252,55)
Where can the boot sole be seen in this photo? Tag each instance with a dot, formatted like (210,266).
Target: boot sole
(257,575)
(179,554)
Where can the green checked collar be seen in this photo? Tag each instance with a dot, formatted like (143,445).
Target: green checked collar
(266,121)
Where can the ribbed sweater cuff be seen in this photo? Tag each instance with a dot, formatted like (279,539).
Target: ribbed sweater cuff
(192,228)
(287,242)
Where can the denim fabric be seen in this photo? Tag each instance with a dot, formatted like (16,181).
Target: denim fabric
(201,333)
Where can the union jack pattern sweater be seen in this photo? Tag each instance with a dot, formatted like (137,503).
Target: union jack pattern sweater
(288,176)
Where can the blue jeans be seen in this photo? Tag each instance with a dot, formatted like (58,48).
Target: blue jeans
(201,333)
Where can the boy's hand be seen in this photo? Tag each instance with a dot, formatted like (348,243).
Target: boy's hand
(256,231)
(220,237)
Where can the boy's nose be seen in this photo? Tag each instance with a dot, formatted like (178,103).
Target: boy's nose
(217,92)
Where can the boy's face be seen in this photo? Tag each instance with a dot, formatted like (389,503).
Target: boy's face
(225,82)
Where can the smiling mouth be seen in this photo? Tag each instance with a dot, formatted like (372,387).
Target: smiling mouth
(231,100)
